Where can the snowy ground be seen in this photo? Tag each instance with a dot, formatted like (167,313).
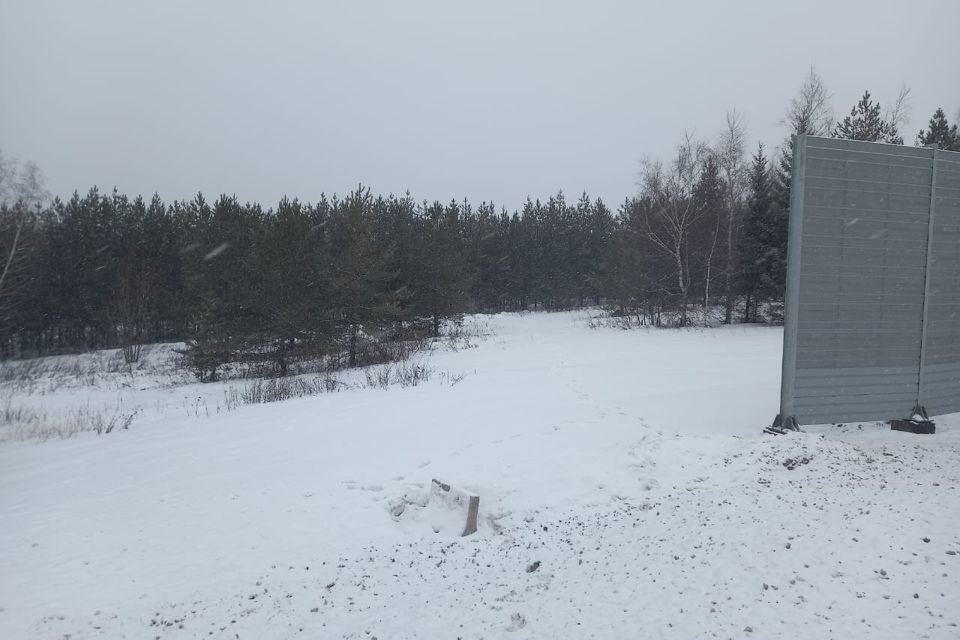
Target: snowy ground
(626,491)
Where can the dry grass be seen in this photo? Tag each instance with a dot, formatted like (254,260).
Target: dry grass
(26,423)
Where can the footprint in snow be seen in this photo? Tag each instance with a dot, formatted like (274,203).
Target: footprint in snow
(649,484)
(517,622)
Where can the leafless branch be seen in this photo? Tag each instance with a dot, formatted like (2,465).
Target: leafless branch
(899,112)
(810,111)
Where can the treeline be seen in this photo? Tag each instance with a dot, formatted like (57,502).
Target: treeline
(340,276)
(300,279)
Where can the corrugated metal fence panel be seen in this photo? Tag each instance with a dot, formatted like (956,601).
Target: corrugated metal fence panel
(858,270)
(853,394)
(859,305)
(940,386)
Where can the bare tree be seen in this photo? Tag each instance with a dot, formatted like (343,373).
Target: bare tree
(810,111)
(22,193)
(8,170)
(898,113)
(730,157)
(671,214)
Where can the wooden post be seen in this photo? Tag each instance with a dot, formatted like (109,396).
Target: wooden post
(468,501)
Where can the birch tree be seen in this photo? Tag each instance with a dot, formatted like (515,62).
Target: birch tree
(809,113)
(22,193)
(671,215)
(730,156)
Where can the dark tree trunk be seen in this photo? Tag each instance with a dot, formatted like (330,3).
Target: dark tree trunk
(352,353)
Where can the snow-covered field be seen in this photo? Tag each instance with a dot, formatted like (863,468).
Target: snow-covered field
(626,491)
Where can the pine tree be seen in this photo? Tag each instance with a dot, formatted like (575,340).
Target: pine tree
(229,320)
(940,133)
(528,250)
(360,277)
(162,243)
(136,286)
(490,238)
(558,266)
(290,256)
(523,250)
(599,230)
(762,264)
(444,278)
(866,123)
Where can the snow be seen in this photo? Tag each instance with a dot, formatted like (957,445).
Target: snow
(629,464)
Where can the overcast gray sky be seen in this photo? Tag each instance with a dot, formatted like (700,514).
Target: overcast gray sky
(488,100)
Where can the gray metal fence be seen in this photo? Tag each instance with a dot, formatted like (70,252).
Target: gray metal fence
(872,313)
